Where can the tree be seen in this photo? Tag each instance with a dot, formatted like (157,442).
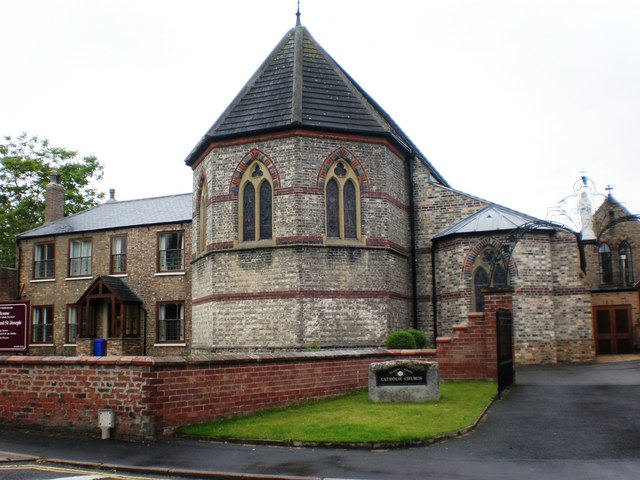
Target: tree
(26,163)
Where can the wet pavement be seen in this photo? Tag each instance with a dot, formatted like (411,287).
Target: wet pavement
(561,421)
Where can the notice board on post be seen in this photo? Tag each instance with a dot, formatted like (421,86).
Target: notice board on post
(14,327)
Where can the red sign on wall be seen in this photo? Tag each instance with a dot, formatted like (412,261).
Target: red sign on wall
(14,327)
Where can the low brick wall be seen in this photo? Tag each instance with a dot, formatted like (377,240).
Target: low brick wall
(154,395)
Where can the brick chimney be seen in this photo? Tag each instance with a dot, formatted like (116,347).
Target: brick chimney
(54,198)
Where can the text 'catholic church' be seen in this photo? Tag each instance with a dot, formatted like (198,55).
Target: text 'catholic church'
(314,222)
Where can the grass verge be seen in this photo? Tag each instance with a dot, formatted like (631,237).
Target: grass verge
(354,419)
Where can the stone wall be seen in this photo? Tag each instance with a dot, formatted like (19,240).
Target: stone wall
(300,288)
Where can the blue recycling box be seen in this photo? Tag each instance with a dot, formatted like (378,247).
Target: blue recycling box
(99,347)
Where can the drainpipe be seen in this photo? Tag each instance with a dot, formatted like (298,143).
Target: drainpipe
(414,260)
(434,295)
(19,263)
(144,333)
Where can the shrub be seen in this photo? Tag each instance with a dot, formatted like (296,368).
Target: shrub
(400,340)
(419,337)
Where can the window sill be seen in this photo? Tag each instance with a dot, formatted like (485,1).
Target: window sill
(169,274)
(69,345)
(254,244)
(77,278)
(169,344)
(119,275)
(339,242)
(42,280)
(41,345)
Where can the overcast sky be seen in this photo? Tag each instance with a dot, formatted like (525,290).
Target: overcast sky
(509,100)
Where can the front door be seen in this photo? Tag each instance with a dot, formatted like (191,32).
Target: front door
(612,325)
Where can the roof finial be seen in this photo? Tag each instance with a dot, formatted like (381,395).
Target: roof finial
(608,188)
(298,15)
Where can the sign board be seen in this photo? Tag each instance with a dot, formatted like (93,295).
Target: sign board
(14,327)
(402,376)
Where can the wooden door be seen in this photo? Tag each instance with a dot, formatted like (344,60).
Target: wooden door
(612,326)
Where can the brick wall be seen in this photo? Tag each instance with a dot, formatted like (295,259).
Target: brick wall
(8,284)
(141,276)
(153,396)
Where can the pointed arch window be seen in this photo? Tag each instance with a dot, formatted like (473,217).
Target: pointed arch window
(342,203)
(606,271)
(626,264)
(488,271)
(255,209)
(202,223)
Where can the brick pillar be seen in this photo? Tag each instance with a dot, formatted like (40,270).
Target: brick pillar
(54,206)
(494,300)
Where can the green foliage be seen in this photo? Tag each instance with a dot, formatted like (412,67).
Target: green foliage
(419,337)
(26,163)
(399,340)
(353,418)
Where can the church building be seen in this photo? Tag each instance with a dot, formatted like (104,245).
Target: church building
(313,222)
(317,222)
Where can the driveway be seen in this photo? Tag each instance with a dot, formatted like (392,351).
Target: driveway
(563,421)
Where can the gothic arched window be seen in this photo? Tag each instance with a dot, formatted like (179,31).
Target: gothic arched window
(488,271)
(255,206)
(202,222)
(606,271)
(626,264)
(342,203)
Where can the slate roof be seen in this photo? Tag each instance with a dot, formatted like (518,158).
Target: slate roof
(494,218)
(300,86)
(117,286)
(120,214)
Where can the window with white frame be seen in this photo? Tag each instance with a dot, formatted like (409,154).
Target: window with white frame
(171,322)
(43,260)
(171,251)
(72,324)
(119,254)
(42,324)
(79,258)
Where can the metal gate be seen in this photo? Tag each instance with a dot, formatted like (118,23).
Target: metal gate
(506,373)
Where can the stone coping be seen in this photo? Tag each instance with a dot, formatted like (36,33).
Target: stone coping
(213,359)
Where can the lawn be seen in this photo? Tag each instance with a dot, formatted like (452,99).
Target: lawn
(354,419)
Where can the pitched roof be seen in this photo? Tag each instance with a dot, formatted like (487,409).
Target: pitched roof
(117,286)
(494,218)
(121,214)
(300,86)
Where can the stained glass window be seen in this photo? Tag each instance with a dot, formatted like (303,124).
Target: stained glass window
(265,211)
(249,213)
(333,212)
(626,264)
(350,213)
(606,272)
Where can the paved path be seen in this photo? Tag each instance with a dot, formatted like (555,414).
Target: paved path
(577,421)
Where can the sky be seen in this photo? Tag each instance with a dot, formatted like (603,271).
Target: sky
(509,100)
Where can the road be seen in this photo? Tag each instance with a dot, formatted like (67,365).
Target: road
(562,421)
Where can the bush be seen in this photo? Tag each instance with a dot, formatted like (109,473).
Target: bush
(419,337)
(400,340)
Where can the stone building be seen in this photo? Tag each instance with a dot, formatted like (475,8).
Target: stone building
(318,222)
(314,221)
(613,266)
(119,271)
